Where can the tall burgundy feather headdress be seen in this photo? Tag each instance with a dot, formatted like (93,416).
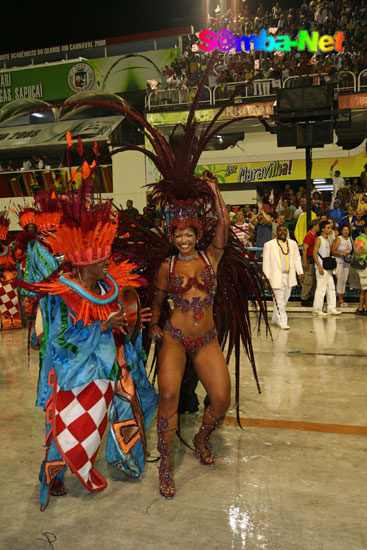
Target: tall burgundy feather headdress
(181,189)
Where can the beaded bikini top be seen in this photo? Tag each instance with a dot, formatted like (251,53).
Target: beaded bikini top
(207,279)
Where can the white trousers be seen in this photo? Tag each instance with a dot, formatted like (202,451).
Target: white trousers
(281,299)
(324,285)
(342,274)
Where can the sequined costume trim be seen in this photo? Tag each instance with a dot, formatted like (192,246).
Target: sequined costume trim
(191,345)
(196,304)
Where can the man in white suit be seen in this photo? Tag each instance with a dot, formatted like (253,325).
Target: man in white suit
(281,264)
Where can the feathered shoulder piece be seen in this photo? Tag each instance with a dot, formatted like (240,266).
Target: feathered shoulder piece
(87,306)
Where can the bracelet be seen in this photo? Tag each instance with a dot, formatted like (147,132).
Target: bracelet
(109,324)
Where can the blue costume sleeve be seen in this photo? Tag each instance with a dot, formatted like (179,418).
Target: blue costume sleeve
(78,353)
(39,265)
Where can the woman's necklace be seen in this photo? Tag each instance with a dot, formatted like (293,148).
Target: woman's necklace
(187,258)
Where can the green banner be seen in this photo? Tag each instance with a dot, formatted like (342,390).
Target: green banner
(118,74)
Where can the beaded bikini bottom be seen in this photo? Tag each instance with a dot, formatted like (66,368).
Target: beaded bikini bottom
(191,345)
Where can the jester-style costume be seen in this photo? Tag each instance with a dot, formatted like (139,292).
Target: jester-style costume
(88,375)
(10,313)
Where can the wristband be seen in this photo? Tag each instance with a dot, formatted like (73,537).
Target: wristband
(109,324)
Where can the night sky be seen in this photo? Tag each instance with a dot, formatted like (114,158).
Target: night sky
(43,24)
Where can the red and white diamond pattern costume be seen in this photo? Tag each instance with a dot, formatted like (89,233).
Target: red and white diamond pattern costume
(9,301)
(81,416)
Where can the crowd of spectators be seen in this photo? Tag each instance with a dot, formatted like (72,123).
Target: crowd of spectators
(324,16)
(32,163)
(345,216)
(290,206)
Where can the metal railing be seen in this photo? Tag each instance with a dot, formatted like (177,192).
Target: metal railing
(172,97)
(362,80)
(258,88)
(343,81)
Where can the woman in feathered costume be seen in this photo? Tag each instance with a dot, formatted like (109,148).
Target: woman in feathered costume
(91,357)
(210,278)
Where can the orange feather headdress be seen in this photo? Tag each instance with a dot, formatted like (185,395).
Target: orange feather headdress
(87,228)
(26,215)
(50,212)
(4,224)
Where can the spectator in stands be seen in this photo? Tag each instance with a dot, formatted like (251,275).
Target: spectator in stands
(130,211)
(248,212)
(357,226)
(349,219)
(324,276)
(301,193)
(281,264)
(38,162)
(231,214)
(360,252)
(342,248)
(144,219)
(363,203)
(338,181)
(284,194)
(337,213)
(157,227)
(334,231)
(317,204)
(263,222)
(243,228)
(354,205)
(301,226)
(266,206)
(288,213)
(309,279)
(27,165)
(364,178)
(341,198)
(278,221)
(302,208)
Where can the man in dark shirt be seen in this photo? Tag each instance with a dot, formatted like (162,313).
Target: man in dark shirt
(309,279)
(349,219)
(130,211)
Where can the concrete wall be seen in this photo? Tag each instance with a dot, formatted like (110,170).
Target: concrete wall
(128,172)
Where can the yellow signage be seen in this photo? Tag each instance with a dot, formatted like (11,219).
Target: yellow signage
(284,170)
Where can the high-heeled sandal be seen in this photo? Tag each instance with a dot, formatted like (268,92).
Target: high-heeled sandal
(205,456)
(166,484)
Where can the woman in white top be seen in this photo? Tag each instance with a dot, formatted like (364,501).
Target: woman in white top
(341,248)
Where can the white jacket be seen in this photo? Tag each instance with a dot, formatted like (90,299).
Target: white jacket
(272,264)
